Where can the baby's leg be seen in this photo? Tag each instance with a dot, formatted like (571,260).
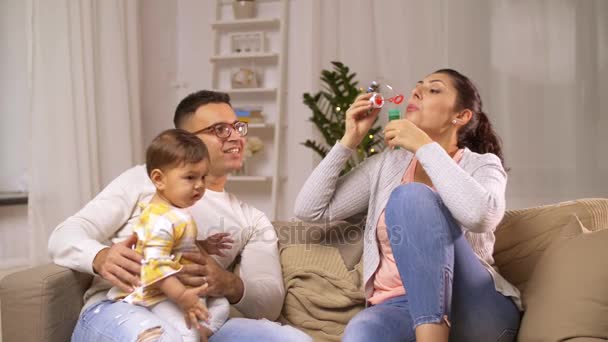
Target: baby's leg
(219,310)
(172,314)
(120,321)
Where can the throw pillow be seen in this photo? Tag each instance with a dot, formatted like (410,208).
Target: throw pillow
(524,235)
(567,296)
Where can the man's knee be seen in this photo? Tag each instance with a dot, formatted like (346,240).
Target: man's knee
(258,330)
(363,327)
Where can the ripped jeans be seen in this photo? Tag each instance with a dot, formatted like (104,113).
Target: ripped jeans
(119,321)
(443,278)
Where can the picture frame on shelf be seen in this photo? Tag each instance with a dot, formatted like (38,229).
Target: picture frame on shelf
(247,42)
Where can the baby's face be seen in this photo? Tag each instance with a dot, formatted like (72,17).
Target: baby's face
(185,184)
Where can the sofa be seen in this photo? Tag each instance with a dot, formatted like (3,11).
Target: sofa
(322,270)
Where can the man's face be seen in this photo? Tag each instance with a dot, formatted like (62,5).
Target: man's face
(225,154)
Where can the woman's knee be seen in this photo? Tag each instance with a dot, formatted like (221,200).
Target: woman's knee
(412,193)
(415,208)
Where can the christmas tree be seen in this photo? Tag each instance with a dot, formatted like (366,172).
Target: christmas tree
(329,111)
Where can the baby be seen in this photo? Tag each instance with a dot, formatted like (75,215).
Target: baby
(177,163)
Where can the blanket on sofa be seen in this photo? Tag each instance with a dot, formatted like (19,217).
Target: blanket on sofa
(322,295)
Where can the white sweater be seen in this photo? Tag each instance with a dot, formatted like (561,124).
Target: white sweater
(473,191)
(110,216)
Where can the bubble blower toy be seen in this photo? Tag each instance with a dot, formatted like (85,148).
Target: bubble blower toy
(383,95)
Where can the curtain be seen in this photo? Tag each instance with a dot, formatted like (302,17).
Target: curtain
(541,67)
(85,117)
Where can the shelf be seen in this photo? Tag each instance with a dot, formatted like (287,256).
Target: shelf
(261,125)
(245,24)
(13,198)
(249,178)
(249,91)
(245,56)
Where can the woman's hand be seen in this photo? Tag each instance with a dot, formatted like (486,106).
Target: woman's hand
(406,134)
(359,120)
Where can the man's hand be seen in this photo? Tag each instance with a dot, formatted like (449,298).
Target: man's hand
(216,243)
(119,264)
(205,270)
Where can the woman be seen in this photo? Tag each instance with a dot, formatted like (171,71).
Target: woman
(432,207)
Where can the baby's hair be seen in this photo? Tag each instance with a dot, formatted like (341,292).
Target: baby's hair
(174,147)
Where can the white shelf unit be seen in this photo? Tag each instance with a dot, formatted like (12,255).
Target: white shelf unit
(249,56)
(262,185)
(256,91)
(249,179)
(246,24)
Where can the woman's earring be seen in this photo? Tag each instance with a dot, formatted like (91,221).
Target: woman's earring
(454,122)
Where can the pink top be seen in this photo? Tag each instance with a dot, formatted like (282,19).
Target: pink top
(387,282)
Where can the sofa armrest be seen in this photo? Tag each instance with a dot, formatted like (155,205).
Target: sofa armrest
(41,303)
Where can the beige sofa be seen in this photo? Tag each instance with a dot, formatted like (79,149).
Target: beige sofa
(321,269)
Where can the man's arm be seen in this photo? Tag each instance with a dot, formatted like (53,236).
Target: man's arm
(260,272)
(83,239)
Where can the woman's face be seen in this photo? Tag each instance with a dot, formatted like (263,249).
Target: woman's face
(431,104)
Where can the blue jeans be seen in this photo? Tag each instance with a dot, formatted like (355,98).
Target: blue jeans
(120,321)
(442,276)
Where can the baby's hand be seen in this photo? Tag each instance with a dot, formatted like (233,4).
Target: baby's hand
(194,315)
(193,308)
(215,243)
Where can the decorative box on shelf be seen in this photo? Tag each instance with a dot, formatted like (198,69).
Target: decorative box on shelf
(247,42)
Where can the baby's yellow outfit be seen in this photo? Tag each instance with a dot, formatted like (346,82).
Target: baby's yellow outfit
(163,233)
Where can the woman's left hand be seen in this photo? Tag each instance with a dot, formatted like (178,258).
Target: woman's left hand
(406,134)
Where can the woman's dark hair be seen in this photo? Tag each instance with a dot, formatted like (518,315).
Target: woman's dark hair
(190,104)
(478,134)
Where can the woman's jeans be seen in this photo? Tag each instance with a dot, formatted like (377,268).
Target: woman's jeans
(443,278)
(120,321)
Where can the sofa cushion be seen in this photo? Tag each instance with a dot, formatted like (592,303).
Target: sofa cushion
(567,296)
(322,295)
(322,275)
(523,235)
(346,237)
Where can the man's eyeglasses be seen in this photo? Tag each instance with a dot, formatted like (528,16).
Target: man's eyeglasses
(223,130)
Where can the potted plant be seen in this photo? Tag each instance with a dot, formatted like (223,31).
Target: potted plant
(243,9)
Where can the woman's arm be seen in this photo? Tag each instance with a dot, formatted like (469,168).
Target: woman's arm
(476,200)
(326,195)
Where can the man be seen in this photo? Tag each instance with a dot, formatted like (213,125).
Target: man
(97,240)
